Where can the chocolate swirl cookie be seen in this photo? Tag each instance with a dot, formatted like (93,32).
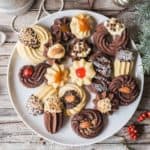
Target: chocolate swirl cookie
(126,88)
(53,114)
(60,30)
(108,39)
(33,76)
(88,123)
(106,102)
(102,64)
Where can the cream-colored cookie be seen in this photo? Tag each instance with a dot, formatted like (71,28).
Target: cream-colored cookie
(56,51)
(31,43)
(124,63)
(57,75)
(114,26)
(82,72)
(73,97)
(82,26)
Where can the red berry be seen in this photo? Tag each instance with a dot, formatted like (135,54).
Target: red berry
(134,137)
(140,118)
(148,114)
(144,115)
(27,72)
(81,72)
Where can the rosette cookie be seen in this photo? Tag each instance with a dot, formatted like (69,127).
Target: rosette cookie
(126,88)
(57,75)
(33,76)
(82,72)
(35,103)
(31,43)
(124,63)
(79,49)
(88,123)
(99,84)
(82,26)
(61,30)
(53,114)
(55,53)
(110,36)
(73,98)
(102,64)
(106,102)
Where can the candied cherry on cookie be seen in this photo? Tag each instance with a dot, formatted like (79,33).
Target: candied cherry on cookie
(110,36)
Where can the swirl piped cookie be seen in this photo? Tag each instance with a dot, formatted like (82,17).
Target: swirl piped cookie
(88,123)
(110,36)
(124,63)
(82,25)
(73,98)
(31,43)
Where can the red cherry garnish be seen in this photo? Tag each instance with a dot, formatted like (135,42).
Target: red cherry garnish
(81,72)
(27,72)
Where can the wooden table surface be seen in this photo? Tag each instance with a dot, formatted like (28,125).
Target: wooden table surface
(13,133)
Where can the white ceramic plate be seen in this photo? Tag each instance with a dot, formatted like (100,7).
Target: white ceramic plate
(66,136)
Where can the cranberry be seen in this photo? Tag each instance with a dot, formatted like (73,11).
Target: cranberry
(81,72)
(28,71)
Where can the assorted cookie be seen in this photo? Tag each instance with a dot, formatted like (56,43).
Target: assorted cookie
(68,63)
(110,36)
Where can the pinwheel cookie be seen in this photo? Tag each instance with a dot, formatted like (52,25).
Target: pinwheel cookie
(82,72)
(82,26)
(35,103)
(31,43)
(73,98)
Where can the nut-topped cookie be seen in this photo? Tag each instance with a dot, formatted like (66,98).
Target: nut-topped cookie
(126,88)
(88,123)
(73,98)
(31,43)
(110,36)
(53,114)
(106,102)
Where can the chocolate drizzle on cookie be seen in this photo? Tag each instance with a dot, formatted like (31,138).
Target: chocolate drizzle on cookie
(126,88)
(88,123)
(37,76)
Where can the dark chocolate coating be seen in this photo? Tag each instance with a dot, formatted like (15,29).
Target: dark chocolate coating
(53,121)
(37,78)
(105,43)
(125,81)
(94,117)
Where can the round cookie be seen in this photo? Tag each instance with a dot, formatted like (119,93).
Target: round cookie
(102,64)
(61,30)
(106,102)
(73,98)
(126,88)
(31,43)
(80,49)
(110,36)
(53,114)
(33,76)
(88,123)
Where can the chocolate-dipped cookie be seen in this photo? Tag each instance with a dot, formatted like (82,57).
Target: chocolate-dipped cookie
(80,49)
(106,102)
(88,123)
(60,30)
(99,84)
(126,88)
(53,114)
(102,64)
(33,76)
(110,36)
